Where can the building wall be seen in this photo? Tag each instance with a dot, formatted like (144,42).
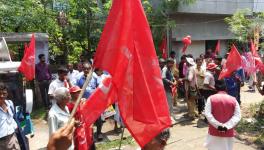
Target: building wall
(42,47)
(197,48)
(201,27)
(222,6)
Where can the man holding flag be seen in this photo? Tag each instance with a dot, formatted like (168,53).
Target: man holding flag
(127,52)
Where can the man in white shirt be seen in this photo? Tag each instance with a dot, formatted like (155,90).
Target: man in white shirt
(8,139)
(209,81)
(72,74)
(191,88)
(61,81)
(223,113)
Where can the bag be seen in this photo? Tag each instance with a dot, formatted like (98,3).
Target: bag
(22,139)
(192,92)
(110,111)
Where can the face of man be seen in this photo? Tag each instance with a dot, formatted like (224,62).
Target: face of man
(170,64)
(43,59)
(67,99)
(86,69)
(62,76)
(75,95)
(70,67)
(199,63)
(3,95)
(155,145)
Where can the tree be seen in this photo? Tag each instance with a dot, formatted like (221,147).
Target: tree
(246,25)
(75,28)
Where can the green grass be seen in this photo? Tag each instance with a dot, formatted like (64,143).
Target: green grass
(253,129)
(115,144)
(38,113)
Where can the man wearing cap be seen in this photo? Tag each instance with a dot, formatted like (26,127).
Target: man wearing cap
(223,113)
(168,81)
(191,88)
(83,135)
(209,81)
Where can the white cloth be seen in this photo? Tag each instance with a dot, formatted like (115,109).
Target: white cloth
(191,76)
(73,76)
(58,118)
(7,123)
(209,79)
(220,143)
(55,85)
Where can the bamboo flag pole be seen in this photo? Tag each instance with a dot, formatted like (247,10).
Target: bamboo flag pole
(88,79)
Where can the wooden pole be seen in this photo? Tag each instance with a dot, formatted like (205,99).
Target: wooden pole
(88,79)
(122,136)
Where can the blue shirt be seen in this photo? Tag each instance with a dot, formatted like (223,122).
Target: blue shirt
(7,122)
(232,87)
(93,84)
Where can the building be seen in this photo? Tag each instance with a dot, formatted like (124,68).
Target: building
(42,46)
(204,21)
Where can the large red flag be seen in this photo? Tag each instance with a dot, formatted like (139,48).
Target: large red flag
(163,47)
(27,66)
(233,62)
(258,62)
(127,52)
(217,48)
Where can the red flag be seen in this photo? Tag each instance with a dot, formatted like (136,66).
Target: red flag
(258,62)
(27,66)
(103,96)
(163,47)
(127,52)
(233,62)
(217,48)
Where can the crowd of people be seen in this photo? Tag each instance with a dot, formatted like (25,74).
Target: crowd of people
(196,80)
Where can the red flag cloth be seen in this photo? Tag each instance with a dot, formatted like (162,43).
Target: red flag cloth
(163,47)
(258,62)
(27,66)
(103,97)
(217,48)
(233,62)
(83,134)
(127,52)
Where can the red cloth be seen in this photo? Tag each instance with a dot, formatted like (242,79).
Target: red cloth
(102,97)
(223,108)
(233,62)
(27,66)
(83,135)
(127,52)
(217,48)
(163,47)
(258,62)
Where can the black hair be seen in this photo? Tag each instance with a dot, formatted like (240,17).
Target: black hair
(183,57)
(62,69)
(220,85)
(3,87)
(40,56)
(172,53)
(190,55)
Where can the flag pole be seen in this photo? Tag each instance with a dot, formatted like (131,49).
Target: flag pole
(88,79)
(122,136)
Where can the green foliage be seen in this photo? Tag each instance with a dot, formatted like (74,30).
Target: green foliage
(84,23)
(115,143)
(254,129)
(243,23)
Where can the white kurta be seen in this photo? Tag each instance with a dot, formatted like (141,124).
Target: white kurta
(221,143)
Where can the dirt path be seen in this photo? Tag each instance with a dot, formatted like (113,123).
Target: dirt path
(184,136)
